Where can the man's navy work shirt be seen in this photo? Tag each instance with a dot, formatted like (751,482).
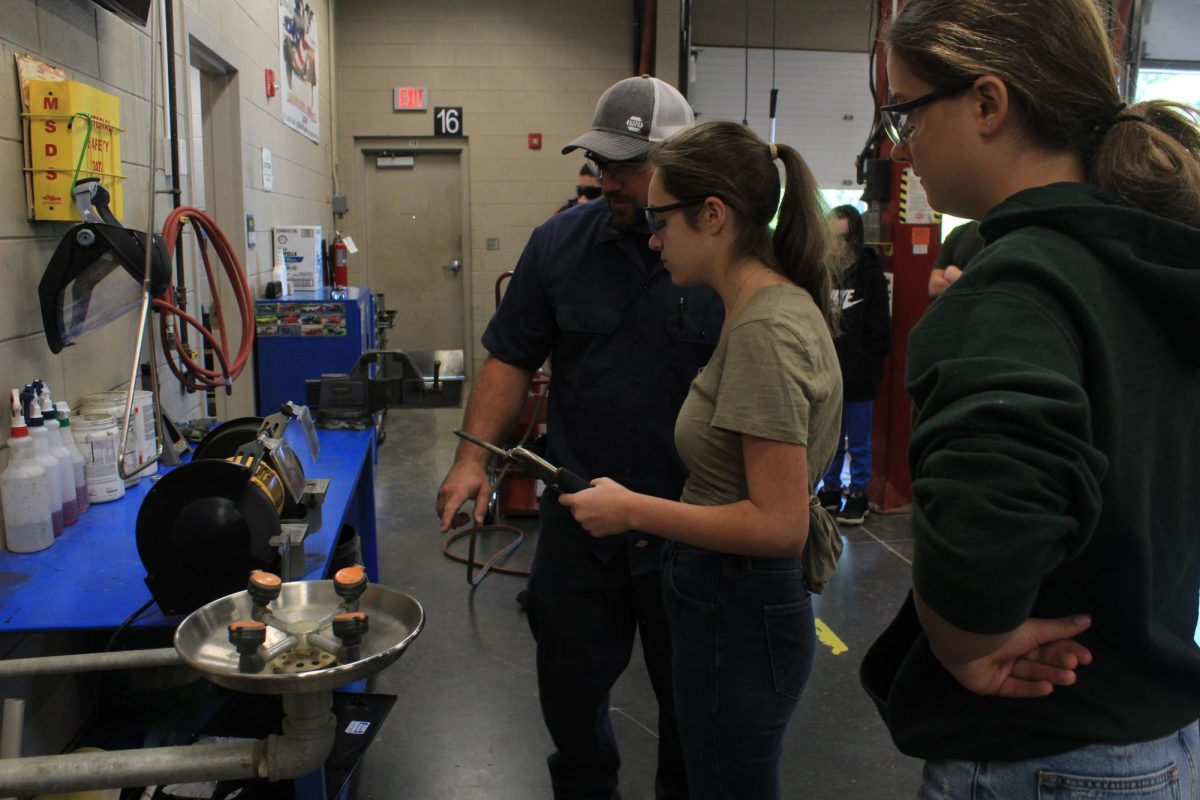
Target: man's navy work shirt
(624,345)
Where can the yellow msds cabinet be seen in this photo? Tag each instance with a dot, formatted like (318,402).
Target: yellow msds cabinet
(74,133)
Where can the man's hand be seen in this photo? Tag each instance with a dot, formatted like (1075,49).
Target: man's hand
(499,392)
(466,480)
(601,510)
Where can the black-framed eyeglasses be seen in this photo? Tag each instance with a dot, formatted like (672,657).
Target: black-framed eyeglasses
(653,220)
(895,116)
(617,170)
(590,192)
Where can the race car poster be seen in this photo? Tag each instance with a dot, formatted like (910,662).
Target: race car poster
(298,70)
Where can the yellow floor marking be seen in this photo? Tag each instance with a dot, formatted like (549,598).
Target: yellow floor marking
(830,639)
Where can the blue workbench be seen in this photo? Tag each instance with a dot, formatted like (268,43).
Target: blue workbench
(92,578)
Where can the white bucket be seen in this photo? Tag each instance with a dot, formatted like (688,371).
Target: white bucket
(142,445)
(98,441)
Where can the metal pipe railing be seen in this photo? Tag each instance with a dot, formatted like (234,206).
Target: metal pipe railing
(75,772)
(309,728)
(90,662)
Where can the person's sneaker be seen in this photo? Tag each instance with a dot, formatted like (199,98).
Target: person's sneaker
(830,499)
(855,511)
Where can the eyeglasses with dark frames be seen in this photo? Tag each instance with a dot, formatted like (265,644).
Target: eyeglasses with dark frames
(617,170)
(894,117)
(590,192)
(653,220)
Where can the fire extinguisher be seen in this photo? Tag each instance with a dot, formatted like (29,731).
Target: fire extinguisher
(341,253)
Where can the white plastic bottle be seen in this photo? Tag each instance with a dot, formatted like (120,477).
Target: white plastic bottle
(41,449)
(24,492)
(66,471)
(279,272)
(69,442)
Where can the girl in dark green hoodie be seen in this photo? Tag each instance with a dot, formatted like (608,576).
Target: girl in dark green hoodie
(1048,648)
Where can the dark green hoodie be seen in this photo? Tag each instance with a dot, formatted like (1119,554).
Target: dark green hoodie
(1056,470)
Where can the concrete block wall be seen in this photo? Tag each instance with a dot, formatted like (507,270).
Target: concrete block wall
(103,50)
(96,47)
(514,68)
(99,49)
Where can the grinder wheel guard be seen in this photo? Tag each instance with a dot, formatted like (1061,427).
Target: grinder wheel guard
(201,529)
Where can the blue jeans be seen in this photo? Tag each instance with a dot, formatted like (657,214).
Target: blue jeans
(743,640)
(856,437)
(1165,769)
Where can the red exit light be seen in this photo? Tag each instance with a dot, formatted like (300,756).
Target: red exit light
(410,98)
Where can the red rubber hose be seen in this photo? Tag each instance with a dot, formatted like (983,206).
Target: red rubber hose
(190,372)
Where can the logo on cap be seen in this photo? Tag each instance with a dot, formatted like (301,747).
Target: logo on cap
(634,124)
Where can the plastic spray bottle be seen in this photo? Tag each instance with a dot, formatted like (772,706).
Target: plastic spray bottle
(77,463)
(41,449)
(66,471)
(279,272)
(24,492)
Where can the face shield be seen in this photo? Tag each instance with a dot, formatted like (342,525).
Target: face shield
(95,275)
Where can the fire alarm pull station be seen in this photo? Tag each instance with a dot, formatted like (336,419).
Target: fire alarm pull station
(535,141)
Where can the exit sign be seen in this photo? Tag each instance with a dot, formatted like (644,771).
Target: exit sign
(410,98)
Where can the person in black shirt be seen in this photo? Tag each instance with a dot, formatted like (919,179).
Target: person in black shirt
(960,247)
(863,343)
(625,344)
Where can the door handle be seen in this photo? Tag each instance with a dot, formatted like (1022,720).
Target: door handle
(454,266)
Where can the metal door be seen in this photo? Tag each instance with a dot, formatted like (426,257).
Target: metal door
(414,246)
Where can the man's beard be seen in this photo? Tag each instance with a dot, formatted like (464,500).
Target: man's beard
(628,216)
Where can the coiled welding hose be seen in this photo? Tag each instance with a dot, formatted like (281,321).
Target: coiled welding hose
(474,531)
(476,578)
(190,372)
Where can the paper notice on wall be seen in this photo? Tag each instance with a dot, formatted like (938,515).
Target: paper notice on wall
(268,171)
(920,240)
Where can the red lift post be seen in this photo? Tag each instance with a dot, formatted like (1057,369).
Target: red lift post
(900,246)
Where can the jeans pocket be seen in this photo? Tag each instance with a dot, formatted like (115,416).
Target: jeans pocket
(1162,784)
(791,639)
(693,579)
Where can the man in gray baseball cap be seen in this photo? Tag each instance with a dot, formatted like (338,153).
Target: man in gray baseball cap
(589,293)
(631,117)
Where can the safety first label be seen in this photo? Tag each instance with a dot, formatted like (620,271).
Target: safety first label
(914,205)
(75,133)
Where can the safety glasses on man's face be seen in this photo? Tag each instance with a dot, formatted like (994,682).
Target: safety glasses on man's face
(894,117)
(617,170)
(653,214)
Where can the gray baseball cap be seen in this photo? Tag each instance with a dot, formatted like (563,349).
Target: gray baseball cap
(632,116)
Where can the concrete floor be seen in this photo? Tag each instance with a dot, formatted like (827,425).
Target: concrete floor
(467,725)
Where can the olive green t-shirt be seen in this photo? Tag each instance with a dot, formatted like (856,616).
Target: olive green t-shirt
(774,375)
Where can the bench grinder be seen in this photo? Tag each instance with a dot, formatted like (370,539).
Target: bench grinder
(241,504)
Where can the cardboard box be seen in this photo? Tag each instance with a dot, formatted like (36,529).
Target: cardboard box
(303,249)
